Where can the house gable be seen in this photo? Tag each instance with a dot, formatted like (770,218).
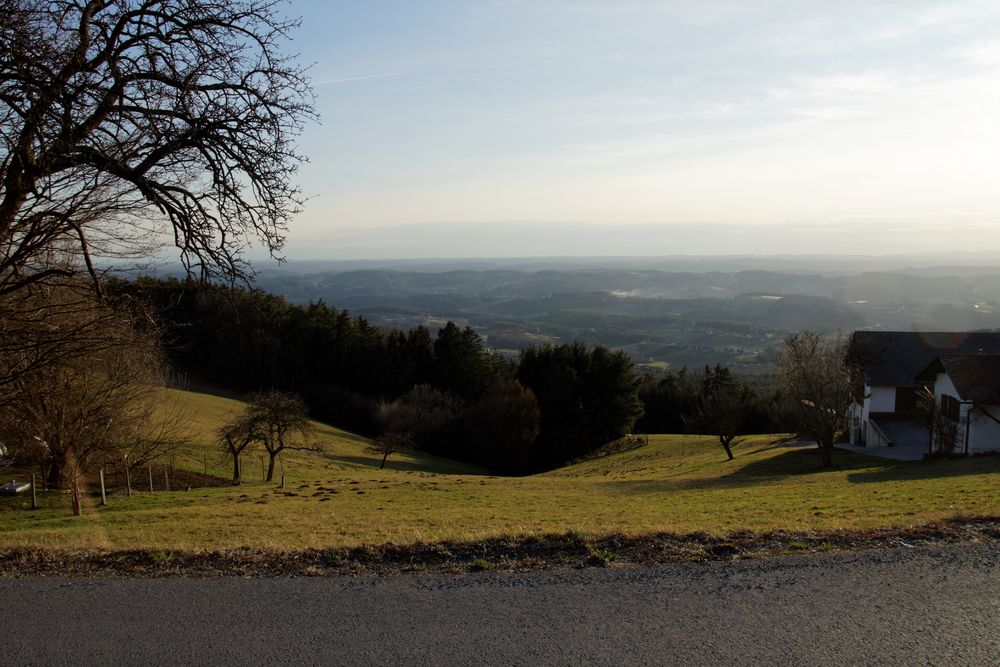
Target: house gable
(967,392)
(975,378)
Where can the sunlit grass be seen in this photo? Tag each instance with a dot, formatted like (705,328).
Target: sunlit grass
(675,483)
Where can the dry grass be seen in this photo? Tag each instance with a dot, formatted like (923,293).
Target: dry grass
(341,498)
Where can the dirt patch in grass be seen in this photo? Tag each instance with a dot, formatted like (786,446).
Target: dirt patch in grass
(567,550)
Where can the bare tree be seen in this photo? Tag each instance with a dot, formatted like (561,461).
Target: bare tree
(46,325)
(280,421)
(129,122)
(723,407)
(814,376)
(413,420)
(235,436)
(125,125)
(389,443)
(274,420)
(73,412)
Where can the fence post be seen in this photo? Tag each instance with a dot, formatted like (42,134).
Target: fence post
(262,468)
(150,469)
(34,498)
(166,478)
(128,478)
(104,497)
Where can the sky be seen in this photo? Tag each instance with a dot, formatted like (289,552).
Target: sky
(586,127)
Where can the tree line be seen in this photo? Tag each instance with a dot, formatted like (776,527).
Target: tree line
(442,392)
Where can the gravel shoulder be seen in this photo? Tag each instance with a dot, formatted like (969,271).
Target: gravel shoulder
(511,553)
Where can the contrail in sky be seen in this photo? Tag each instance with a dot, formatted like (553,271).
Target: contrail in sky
(358,78)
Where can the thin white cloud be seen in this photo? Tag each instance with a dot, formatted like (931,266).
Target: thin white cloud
(855,87)
(366,77)
(982,54)
(953,12)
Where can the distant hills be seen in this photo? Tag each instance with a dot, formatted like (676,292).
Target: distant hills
(662,318)
(951,264)
(666,311)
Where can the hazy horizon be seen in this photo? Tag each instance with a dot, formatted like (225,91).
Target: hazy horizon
(542,239)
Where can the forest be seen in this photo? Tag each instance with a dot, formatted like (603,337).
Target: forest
(443,392)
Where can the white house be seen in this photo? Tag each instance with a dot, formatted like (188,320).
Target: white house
(890,362)
(967,402)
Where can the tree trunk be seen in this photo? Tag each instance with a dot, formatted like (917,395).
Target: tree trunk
(236,469)
(270,465)
(75,493)
(826,454)
(729,451)
(384,457)
(53,479)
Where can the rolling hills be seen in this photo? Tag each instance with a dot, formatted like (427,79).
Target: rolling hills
(675,317)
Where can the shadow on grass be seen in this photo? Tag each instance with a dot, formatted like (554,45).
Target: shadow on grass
(440,466)
(789,464)
(916,470)
(860,468)
(375,461)
(799,463)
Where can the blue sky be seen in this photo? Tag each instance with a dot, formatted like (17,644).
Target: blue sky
(466,125)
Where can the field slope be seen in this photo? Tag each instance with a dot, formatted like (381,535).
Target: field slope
(341,498)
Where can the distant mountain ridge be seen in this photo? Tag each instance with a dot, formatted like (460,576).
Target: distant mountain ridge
(664,311)
(953,264)
(867,286)
(659,317)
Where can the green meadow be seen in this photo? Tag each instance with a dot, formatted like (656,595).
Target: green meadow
(340,497)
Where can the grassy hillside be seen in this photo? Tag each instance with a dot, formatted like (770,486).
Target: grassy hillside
(204,413)
(675,483)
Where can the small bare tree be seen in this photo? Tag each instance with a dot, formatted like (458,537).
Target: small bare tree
(413,420)
(280,422)
(389,443)
(722,409)
(815,379)
(236,436)
(274,420)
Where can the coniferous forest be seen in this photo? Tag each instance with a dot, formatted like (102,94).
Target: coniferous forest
(444,389)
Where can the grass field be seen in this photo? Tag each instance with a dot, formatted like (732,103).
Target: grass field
(341,498)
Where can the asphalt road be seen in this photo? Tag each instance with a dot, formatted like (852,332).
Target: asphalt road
(927,605)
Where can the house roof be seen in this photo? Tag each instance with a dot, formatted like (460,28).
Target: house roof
(976,376)
(895,358)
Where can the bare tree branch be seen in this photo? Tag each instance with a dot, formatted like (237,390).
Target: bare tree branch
(815,377)
(181,112)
